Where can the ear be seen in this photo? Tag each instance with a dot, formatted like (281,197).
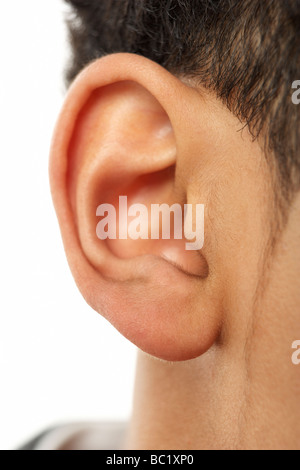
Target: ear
(122,133)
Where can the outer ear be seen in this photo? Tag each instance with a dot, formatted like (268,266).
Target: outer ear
(122,133)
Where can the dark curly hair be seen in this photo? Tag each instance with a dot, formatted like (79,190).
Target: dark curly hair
(247,51)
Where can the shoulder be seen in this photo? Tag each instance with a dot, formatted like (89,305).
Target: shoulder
(83,436)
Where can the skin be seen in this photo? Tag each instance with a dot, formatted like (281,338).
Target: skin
(214,328)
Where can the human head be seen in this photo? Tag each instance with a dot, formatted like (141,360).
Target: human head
(196,108)
(244,51)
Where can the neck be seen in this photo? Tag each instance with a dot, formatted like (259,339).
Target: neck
(244,392)
(214,403)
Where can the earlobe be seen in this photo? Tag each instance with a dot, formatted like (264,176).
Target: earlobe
(117,137)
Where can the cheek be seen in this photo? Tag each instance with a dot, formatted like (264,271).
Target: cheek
(237,195)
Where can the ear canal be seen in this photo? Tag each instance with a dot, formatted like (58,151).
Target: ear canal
(117,141)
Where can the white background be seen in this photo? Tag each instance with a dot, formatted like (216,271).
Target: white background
(59,360)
